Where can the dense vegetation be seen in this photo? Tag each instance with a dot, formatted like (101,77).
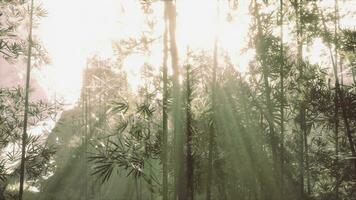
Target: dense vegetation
(196,127)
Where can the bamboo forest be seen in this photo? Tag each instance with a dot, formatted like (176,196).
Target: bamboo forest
(178,100)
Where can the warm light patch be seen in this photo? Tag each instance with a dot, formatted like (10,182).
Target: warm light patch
(73,33)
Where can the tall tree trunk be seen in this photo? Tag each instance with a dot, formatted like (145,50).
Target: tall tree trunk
(87,136)
(353,73)
(336,114)
(84,145)
(27,90)
(210,161)
(85,125)
(338,61)
(281,181)
(213,120)
(307,166)
(177,115)
(260,46)
(164,109)
(302,109)
(212,125)
(336,133)
(189,132)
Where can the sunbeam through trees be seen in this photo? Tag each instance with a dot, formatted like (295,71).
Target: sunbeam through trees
(177,100)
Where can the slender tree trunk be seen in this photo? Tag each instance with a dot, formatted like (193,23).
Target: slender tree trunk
(260,49)
(210,161)
(281,182)
(307,159)
(212,125)
(27,90)
(213,120)
(260,46)
(83,132)
(336,132)
(164,110)
(84,147)
(189,132)
(336,114)
(336,40)
(302,112)
(353,72)
(87,136)
(301,153)
(177,122)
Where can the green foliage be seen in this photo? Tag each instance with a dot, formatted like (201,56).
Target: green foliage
(39,155)
(130,147)
(13,16)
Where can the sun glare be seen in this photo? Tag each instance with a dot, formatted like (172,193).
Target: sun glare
(76,34)
(88,28)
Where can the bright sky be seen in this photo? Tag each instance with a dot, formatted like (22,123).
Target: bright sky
(75,30)
(72,31)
